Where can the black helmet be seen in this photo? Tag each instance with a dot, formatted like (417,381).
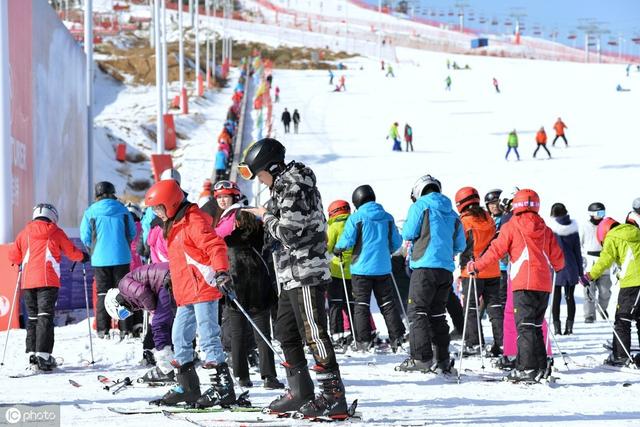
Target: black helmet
(362,195)
(265,155)
(558,210)
(595,207)
(104,188)
(492,196)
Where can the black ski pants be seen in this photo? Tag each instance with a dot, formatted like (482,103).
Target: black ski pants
(560,136)
(40,304)
(302,319)
(571,302)
(108,278)
(382,288)
(455,310)
(627,311)
(240,326)
(489,291)
(338,304)
(529,308)
(428,294)
(545,149)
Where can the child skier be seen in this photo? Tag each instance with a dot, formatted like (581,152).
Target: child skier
(559,127)
(532,249)
(39,248)
(541,141)
(394,134)
(448,82)
(408,136)
(512,144)
(620,244)
(373,235)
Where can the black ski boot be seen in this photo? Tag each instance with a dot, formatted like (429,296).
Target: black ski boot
(444,367)
(299,392)
(505,363)
(46,364)
(148,359)
(413,365)
(613,360)
(155,375)
(557,327)
(221,391)
(548,368)
(396,344)
(187,390)
(568,327)
(33,361)
(272,383)
(331,401)
(524,376)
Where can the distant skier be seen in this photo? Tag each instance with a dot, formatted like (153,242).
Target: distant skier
(277,93)
(286,120)
(382,64)
(495,85)
(342,83)
(389,71)
(408,136)
(395,136)
(296,120)
(619,88)
(448,64)
(331,77)
(512,144)
(559,126)
(541,141)
(628,69)
(448,82)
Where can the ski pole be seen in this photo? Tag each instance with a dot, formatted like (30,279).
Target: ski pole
(13,304)
(616,334)
(395,285)
(473,283)
(346,297)
(550,333)
(232,296)
(86,301)
(464,330)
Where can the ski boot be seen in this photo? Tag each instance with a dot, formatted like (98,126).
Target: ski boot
(148,358)
(299,392)
(221,391)
(557,327)
(330,402)
(396,344)
(636,360)
(245,382)
(590,319)
(187,390)
(471,350)
(363,346)
(494,351)
(568,327)
(156,375)
(413,365)
(45,361)
(272,383)
(505,363)
(33,361)
(613,360)
(444,367)
(546,373)
(524,376)
(253,358)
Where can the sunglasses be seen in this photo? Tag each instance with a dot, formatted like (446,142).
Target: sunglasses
(245,171)
(227,185)
(599,214)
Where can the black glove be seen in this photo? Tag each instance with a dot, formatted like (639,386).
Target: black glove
(225,284)
(85,258)
(338,252)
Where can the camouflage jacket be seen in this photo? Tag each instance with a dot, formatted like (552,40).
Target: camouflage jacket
(296,220)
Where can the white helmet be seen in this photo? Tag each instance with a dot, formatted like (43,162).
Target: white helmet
(505,202)
(171,174)
(134,209)
(45,210)
(636,205)
(421,183)
(113,305)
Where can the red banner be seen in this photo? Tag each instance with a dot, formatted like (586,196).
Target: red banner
(9,276)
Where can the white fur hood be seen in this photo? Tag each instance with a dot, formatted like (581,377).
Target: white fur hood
(563,230)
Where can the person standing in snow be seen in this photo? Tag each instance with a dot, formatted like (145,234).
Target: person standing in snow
(541,141)
(495,85)
(296,120)
(408,136)
(331,77)
(448,82)
(294,218)
(342,86)
(389,71)
(199,276)
(566,232)
(533,251)
(286,120)
(599,288)
(277,93)
(107,230)
(559,127)
(372,235)
(38,249)
(436,235)
(222,160)
(394,134)
(512,144)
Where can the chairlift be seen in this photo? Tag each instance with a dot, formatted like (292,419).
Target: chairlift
(507,23)
(636,40)
(494,22)
(612,42)
(482,20)
(450,13)
(572,36)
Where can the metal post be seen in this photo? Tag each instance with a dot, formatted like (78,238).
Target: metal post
(346,297)
(88,51)
(152,24)
(181,57)
(191,12)
(165,68)
(473,283)
(207,51)
(464,331)
(86,302)
(10,318)
(6,155)
(197,53)
(159,82)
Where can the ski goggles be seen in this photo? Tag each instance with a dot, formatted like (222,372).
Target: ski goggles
(599,214)
(226,185)
(123,313)
(245,171)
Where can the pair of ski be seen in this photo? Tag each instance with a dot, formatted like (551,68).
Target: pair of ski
(496,379)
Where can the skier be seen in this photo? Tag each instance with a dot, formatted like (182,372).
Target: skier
(294,219)
(541,141)
(331,77)
(408,136)
(492,203)
(566,232)
(512,144)
(532,250)
(437,236)
(372,235)
(148,288)
(382,64)
(559,126)
(199,275)
(107,229)
(39,248)
(394,134)
(448,82)
(222,160)
(495,85)
(277,93)
(244,235)
(296,120)
(339,211)
(342,83)
(620,244)
(479,229)
(286,120)
(389,71)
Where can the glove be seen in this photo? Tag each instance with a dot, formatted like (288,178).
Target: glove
(225,284)
(338,252)
(85,258)
(585,279)
(471,268)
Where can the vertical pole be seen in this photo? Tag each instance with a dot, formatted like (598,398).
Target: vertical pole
(191,12)
(197,53)
(88,51)
(6,178)
(207,59)
(586,47)
(159,82)
(461,16)
(598,49)
(152,25)
(380,29)
(181,58)
(165,70)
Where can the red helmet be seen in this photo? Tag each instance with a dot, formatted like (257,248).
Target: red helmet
(525,201)
(167,193)
(604,227)
(226,188)
(466,196)
(339,207)
(206,185)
